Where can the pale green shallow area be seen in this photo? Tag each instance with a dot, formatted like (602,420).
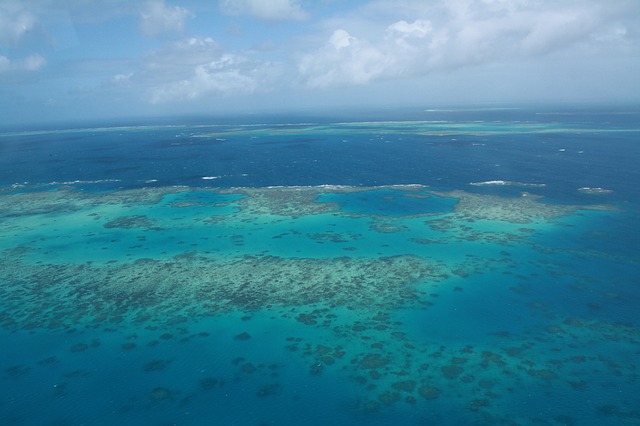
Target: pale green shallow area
(167,257)
(477,128)
(64,225)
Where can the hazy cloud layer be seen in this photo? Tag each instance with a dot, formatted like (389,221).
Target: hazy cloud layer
(192,69)
(15,23)
(30,63)
(16,26)
(221,76)
(158,18)
(271,10)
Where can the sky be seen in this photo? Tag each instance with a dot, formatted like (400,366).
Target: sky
(63,60)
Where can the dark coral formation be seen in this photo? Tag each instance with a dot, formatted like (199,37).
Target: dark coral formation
(129,222)
(374,361)
(202,286)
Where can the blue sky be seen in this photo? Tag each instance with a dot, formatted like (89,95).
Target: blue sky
(88,59)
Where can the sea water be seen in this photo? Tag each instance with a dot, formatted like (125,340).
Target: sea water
(408,267)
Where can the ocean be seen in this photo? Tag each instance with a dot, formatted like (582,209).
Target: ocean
(474,266)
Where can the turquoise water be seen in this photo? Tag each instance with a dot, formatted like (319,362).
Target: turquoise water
(349,295)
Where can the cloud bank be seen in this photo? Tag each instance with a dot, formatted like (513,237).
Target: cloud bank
(186,55)
(453,34)
(195,68)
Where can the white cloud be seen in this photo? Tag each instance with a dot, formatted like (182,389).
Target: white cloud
(344,60)
(198,67)
(449,34)
(341,39)
(119,80)
(223,76)
(419,28)
(123,78)
(15,23)
(179,58)
(157,18)
(30,63)
(33,62)
(270,10)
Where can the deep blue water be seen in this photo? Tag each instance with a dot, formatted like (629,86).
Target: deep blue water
(585,157)
(520,321)
(389,202)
